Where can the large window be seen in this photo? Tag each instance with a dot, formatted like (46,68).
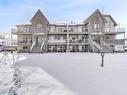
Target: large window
(96,27)
(39,25)
(60,29)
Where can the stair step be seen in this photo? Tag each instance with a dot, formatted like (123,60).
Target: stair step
(36,49)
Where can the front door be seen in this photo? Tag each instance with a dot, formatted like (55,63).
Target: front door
(38,40)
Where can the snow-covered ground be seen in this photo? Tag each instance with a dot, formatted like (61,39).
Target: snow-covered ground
(37,82)
(34,80)
(82,73)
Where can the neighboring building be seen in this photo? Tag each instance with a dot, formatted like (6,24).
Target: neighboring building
(6,40)
(97,33)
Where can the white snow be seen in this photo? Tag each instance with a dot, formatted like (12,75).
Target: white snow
(37,82)
(34,80)
(82,73)
(66,74)
(6,71)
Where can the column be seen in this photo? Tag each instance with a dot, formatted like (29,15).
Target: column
(124,43)
(68,50)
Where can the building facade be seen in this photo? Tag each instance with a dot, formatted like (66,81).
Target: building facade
(96,34)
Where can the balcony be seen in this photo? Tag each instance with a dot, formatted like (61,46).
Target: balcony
(58,32)
(79,41)
(115,41)
(121,30)
(57,42)
(77,31)
(23,42)
(28,31)
(115,31)
(14,31)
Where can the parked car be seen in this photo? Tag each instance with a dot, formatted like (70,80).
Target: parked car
(126,49)
(1,49)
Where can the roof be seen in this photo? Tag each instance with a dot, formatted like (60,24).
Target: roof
(96,11)
(111,19)
(103,17)
(39,12)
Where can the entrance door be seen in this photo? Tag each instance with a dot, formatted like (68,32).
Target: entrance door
(38,40)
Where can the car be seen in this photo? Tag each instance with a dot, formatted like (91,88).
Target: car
(126,49)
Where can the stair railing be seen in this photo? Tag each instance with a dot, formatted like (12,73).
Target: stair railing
(94,43)
(42,45)
(32,46)
(107,45)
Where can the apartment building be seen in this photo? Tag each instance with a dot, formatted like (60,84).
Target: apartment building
(95,34)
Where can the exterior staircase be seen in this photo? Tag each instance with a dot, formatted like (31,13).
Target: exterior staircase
(104,47)
(37,48)
(107,47)
(94,45)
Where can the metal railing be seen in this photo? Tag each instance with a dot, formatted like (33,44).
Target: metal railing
(115,29)
(91,41)
(121,30)
(32,46)
(107,46)
(42,45)
(114,41)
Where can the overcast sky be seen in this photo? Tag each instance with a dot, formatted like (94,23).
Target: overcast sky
(14,12)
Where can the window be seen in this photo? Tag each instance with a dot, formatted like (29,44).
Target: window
(57,37)
(72,30)
(60,29)
(64,37)
(65,31)
(39,25)
(86,30)
(107,37)
(82,29)
(96,26)
(24,47)
(106,21)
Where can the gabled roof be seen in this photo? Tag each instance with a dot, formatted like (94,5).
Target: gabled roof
(111,19)
(96,11)
(39,12)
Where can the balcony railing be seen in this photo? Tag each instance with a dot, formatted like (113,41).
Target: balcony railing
(79,41)
(14,31)
(57,41)
(31,30)
(115,30)
(115,41)
(25,42)
(121,30)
